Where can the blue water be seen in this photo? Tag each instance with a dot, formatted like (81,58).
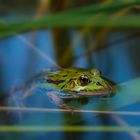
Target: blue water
(18,62)
(17,58)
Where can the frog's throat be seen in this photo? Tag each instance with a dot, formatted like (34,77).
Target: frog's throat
(83,93)
(93,92)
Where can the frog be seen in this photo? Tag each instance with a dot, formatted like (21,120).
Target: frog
(61,84)
(74,83)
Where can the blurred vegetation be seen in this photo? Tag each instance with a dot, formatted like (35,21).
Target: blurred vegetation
(61,37)
(91,16)
(86,16)
(12,6)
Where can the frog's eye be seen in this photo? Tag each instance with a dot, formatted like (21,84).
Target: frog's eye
(84,80)
(95,72)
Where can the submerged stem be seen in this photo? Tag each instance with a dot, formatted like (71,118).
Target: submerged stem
(53,110)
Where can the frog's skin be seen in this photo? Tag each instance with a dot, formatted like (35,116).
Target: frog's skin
(69,83)
(74,82)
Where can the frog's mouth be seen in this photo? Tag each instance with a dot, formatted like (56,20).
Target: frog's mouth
(86,93)
(98,92)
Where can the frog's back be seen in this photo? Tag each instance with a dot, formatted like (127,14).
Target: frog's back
(59,73)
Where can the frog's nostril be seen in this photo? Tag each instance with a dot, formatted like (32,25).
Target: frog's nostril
(98,84)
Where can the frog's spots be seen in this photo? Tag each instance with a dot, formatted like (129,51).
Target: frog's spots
(71,83)
(91,73)
(65,75)
(98,84)
(55,81)
(62,86)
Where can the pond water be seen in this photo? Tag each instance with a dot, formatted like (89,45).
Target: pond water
(119,62)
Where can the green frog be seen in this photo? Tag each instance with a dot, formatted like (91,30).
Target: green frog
(73,83)
(70,83)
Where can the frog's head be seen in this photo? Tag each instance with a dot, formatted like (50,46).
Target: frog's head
(87,83)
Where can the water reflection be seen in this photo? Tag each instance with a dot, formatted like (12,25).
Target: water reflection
(119,63)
